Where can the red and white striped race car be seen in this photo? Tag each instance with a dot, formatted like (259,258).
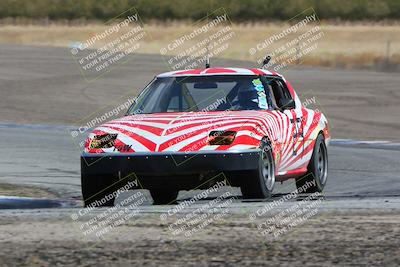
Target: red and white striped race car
(247,126)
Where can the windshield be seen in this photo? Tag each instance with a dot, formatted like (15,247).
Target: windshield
(211,93)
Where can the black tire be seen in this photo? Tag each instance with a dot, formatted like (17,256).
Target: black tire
(164,196)
(317,174)
(259,184)
(98,191)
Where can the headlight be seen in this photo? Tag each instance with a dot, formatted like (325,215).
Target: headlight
(221,137)
(102,141)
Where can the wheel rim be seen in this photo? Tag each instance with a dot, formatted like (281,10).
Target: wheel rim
(268,170)
(322,165)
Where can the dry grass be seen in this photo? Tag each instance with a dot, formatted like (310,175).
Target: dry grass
(24,191)
(342,45)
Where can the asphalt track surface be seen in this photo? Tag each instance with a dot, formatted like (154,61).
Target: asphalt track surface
(41,90)
(46,157)
(43,85)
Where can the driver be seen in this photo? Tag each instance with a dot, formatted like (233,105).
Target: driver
(252,96)
(248,99)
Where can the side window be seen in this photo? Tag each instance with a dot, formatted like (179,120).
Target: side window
(280,91)
(285,90)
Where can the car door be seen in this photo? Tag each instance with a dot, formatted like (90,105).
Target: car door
(291,136)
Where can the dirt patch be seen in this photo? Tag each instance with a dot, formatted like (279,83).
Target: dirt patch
(24,191)
(325,240)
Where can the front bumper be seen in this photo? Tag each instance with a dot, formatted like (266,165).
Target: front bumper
(162,163)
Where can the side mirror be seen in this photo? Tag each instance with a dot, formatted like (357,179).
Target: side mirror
(287,103)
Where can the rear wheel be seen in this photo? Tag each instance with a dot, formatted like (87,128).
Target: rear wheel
(260,183)
(316,177)
(164,196)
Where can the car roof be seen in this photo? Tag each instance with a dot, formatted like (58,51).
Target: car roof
(218,71)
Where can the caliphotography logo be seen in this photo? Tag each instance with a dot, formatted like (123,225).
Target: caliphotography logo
(82,132)
(276,219)
(98,225)
(289,46)
(199,133)
(120,38)
(208,38)
(195,213)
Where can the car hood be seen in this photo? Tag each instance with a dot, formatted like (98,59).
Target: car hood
(180,132)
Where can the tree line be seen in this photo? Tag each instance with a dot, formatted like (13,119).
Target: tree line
(238,10)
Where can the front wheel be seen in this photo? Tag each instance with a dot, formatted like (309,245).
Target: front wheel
(259,184)
(164,196)
(98,191)
(315,179)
